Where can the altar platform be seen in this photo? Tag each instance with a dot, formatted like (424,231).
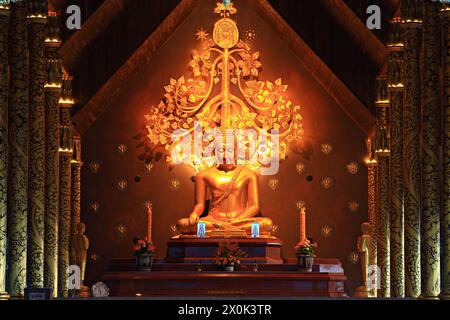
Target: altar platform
(203,279)
(189,269)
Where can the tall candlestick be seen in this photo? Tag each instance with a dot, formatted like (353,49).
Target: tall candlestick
(149,222)
(302,224)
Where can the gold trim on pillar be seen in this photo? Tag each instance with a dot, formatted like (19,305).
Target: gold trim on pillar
(65,180)
(395,80)
(412,23)
(4,23)
(52,92)
(18,149)
(383,202)
(431,136)
(37,30)
(445,294)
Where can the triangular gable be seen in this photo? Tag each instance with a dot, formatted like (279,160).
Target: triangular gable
(344,98)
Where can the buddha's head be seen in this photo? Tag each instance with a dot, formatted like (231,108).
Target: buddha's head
(366,228)
(81,228)
(225,149)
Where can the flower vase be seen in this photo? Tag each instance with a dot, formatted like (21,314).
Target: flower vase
(144,262)
(305,263)
(229,268)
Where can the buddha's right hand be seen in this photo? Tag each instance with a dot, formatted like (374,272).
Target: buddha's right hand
(193,219)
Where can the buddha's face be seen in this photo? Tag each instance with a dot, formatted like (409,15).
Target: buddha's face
(225,153)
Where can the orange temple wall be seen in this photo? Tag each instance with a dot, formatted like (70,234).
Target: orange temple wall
(324,123)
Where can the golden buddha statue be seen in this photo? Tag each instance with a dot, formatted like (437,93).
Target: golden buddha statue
(234,204)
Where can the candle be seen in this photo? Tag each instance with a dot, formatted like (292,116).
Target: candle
(302,224)
(149,222)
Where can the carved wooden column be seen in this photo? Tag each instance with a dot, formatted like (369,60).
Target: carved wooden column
(431,134)
(37,19)
(396,90)
(445,294)
(383,192)
(4,22)
(411,22)
(76,183)
(18,148)
(52,93)
(371,164)
(65,158)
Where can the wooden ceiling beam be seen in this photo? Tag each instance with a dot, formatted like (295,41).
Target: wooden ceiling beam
(367,41)
(340,93)
(104,97)
(72,50)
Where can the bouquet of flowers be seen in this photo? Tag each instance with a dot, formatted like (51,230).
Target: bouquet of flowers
(229,254)
(143,247)
(305,248)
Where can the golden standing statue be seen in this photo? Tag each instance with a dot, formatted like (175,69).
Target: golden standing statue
(80,246)
(363,246)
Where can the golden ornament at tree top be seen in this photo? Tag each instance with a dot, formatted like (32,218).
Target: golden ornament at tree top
(243,101)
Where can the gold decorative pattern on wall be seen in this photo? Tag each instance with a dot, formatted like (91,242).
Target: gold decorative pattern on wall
(300,167)
(121,149)
(353,206)
(353,257)
(273,184)
(122,184)
(149,167)
(250,35)
(94,166)
(326,231)
(327,183)
(352,168)
(95,206)
(175,184)
(326,148)
(121,230)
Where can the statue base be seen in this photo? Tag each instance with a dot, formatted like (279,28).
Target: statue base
(362,292)
(207,280)
(190,249)
(4,296)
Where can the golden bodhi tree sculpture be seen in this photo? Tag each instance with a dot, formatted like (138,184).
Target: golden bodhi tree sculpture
(222,92)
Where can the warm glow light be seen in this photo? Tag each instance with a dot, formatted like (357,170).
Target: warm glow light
(66,101)
(396,85)
(63,150)
(368,161)
(39,16)
(382,102)
(52,85)
(48,40)
(412,21)
(396,45)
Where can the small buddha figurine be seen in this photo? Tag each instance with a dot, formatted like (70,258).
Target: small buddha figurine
(80,246)
(363,247)
(234,204)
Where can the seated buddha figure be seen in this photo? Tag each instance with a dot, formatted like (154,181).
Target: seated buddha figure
(234,199)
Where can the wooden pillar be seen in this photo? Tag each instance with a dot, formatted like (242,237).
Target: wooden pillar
(76,184)
(4,21)
(383,192)
(445,294)
(18,148)
(396,90)
(371,164)
(411,22)
(52,93)
(65,158)
(431,132)
(37,19)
